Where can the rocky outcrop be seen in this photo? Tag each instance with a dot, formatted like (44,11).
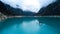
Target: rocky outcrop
(2,17)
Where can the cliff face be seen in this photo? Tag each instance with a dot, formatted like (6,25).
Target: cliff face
(2,17)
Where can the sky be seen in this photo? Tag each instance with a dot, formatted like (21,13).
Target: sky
(28,5)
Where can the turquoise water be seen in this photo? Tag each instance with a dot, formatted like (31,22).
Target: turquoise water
(30,25)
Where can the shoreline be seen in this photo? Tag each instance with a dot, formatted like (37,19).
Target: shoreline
(30,16)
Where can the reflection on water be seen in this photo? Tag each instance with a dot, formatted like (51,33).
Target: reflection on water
(30,26)
(27,26)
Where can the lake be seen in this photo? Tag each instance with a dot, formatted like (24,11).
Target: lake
(30,25)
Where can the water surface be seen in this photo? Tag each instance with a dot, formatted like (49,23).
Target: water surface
(30,25)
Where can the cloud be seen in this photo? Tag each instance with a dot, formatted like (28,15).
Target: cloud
(28,5)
